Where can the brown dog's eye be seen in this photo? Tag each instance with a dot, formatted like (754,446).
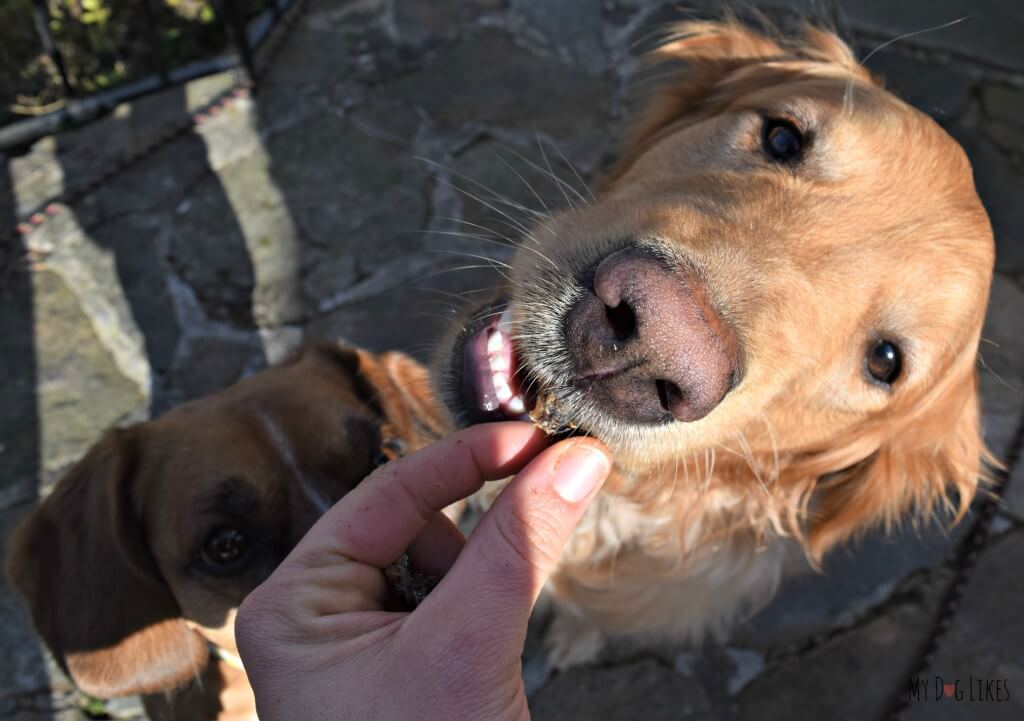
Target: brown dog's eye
(224,547)
(782,141)
(884,362)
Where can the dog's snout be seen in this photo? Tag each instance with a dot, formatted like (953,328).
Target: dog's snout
(646,344)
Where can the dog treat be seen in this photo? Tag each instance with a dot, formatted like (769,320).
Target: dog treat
(409,586)
(547,416)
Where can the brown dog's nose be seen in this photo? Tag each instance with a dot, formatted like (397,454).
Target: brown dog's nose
(646,344)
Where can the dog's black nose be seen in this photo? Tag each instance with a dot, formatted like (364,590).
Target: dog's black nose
(647,345)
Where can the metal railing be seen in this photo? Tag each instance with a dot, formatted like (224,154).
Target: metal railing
(245,37)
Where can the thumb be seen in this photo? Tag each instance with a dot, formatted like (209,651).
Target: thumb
(514,549)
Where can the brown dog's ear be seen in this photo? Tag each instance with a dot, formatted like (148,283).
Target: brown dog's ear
(403,389)
(934,462)
(394,386)
(712,52)
(97,599)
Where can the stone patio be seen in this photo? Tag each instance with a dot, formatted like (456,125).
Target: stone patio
(300,213)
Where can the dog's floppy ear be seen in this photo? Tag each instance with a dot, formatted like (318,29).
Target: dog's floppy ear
(395,387)
(936,461)
(712,52)
(97,599)
(405,394)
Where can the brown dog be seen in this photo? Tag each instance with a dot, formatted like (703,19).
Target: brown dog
(134,566)
(771,315)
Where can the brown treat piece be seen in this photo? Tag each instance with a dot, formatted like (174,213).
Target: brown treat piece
(547,416)
(409,586)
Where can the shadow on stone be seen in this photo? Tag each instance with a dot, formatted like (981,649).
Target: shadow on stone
(25,692)
(140,219)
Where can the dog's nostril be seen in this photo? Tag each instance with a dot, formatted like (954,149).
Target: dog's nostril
(669,394)
(646,344)
(621,320)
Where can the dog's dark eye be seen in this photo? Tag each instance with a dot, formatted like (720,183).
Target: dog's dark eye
(782,141)
(884,362)
(224,548)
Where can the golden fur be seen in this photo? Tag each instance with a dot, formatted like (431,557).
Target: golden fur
(878,233)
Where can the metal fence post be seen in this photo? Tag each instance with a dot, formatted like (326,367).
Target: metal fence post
(81,109)
(41,15)
(155,41)
(238,28)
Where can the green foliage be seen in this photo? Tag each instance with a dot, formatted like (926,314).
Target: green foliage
(103,43)
(23,72)
(94,12)
(93,708)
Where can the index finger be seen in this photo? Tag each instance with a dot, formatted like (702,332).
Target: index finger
(377,521)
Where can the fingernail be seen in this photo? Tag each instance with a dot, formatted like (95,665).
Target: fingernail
(578,471)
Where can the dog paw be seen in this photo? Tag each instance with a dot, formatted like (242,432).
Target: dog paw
(571,642)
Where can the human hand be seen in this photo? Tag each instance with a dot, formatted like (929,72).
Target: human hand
(316,639)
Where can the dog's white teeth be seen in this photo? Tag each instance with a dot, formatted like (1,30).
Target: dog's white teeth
(501,389)
(495,342)
(499,363)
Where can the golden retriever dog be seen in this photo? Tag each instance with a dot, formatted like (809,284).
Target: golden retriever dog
(770,313)
(134,566)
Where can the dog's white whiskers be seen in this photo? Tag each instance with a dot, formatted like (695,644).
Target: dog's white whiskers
(493,195)
(492,314)
(462,254)
(848,94)
(460,296)
(559,182)
(531,383)
(906,36)
(497,197)
(462,234)
(525,182)
(505,240)
(986,366)
(575,172)
(499,238)
(436,305)
(459,268)
(521,226)
(439,291)
(551,172)
(516,205)
(528,236)
(511,243)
